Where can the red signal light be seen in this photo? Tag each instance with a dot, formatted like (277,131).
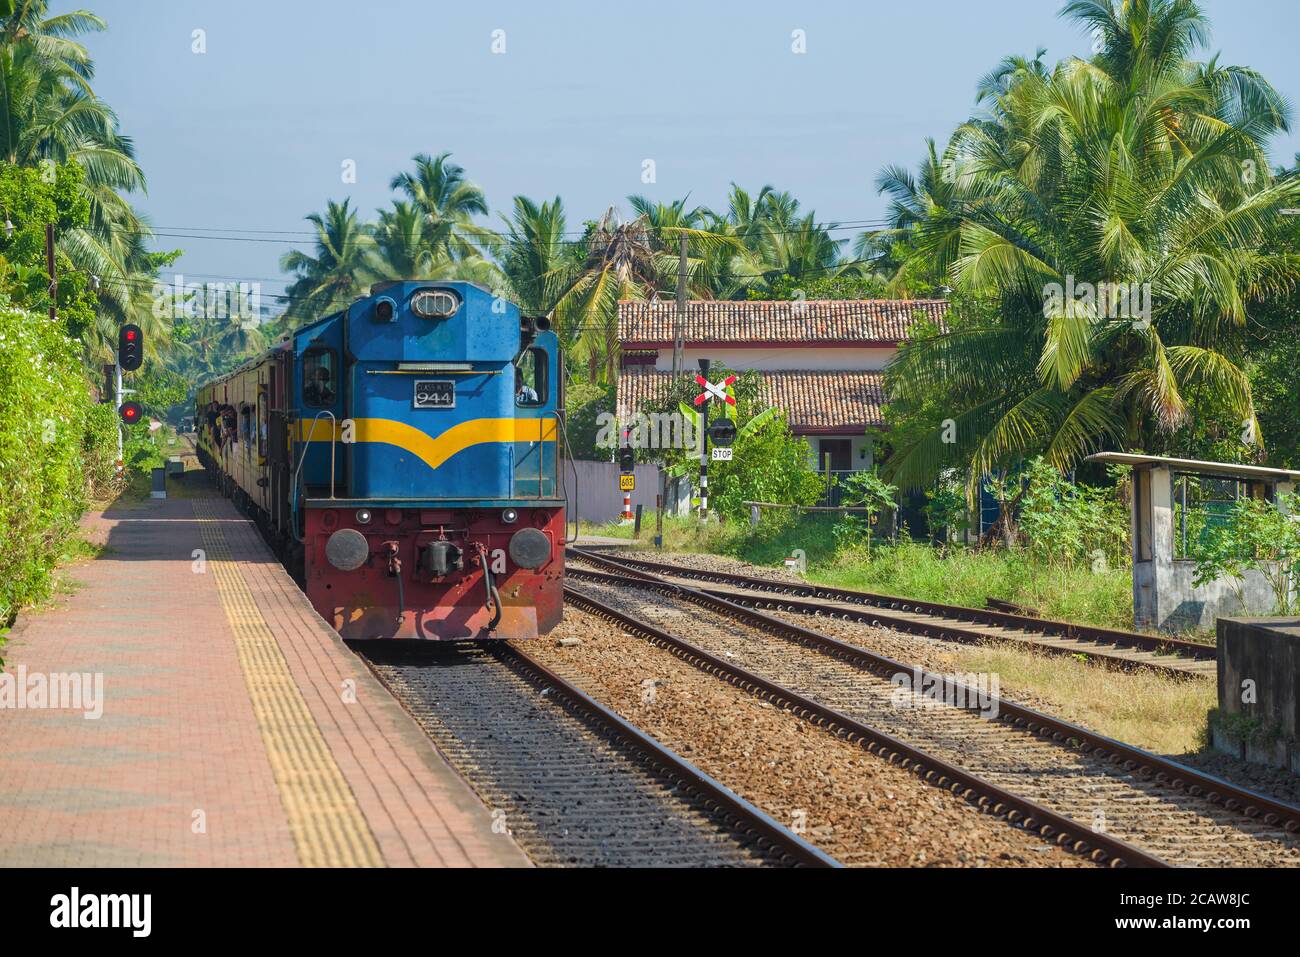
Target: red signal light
(131,412)
(129,352)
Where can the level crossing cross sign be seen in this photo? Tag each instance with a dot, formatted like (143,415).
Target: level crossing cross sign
(715,391)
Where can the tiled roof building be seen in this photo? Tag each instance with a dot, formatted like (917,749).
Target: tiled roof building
(822,361)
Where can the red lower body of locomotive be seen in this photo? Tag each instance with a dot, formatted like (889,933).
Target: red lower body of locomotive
(439,574)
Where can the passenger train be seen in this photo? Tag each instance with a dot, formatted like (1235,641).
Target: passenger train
(403,457)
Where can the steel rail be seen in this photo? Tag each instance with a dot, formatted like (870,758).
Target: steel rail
(1212,789)
(985,616)
(929,629)
(1019,811)
(754,823)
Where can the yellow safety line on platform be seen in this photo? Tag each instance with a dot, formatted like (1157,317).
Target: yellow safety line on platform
(328,827)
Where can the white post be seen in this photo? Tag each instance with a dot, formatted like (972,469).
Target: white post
(117,405)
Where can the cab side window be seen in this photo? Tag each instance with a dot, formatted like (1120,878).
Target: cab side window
(530,378)
(319,378)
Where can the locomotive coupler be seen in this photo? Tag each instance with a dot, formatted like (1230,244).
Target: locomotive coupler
(439,559)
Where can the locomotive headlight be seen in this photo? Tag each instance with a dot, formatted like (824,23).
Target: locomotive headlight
(530,548)
(347,549)
(385,310)
(510,516)
(435,303)
(363,516)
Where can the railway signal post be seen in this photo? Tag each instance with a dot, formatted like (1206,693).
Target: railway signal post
(130,356)
(711,391)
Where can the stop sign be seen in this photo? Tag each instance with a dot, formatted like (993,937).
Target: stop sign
(722,432)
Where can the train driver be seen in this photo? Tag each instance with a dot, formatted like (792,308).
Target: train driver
(319,392)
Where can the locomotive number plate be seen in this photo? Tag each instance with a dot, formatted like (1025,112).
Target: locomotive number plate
(435,394)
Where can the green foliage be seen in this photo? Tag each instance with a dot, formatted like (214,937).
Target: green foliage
(46,436)
(31,198)
(99,450)
(141,451)
(1259,536)
(863,490)
(769,464)
(584,403)
(1140,168)
(831,286)
(1065,523)
(162,392)
(946,509)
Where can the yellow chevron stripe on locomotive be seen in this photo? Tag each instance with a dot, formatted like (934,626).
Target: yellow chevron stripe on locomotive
(433,450)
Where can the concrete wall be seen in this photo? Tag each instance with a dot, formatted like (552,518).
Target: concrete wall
(1163,594)
(1259,661)
(598,498)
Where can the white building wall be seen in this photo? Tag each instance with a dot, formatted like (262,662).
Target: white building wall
(863,453)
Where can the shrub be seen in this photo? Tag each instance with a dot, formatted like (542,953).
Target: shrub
(1064,523)
(46,431)
(1258,535)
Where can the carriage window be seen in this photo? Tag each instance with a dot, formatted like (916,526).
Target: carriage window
(261,423)
(530,378)
(319,381)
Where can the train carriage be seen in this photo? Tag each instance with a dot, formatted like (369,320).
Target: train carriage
(403,457)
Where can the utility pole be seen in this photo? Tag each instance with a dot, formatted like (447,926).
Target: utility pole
(704,448)
(679,332)
(49,268)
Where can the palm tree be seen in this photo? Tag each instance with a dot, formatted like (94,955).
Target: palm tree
(439,190)
(1136,169)
(51,114)
(215,345)
(538,261)
(621,263)
(340,271)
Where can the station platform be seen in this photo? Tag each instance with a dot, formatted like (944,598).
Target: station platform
(234,728)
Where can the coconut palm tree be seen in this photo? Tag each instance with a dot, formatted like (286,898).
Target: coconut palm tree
(447,200)
(621,263)
(49,113)
(402,250)
(1137,170)
(538,261)
(341,269)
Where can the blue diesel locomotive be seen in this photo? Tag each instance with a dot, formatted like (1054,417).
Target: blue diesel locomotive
(403,457)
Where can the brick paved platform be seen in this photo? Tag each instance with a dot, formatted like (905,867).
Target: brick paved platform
(237,729)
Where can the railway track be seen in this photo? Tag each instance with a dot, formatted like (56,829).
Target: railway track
(1170,813)
(1127,649)
(574,783)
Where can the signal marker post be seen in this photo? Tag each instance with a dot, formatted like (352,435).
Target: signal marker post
(627,477)
(704,447)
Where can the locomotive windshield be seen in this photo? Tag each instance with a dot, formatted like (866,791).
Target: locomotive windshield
(530,378)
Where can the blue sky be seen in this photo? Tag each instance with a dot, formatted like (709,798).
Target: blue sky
(253,133)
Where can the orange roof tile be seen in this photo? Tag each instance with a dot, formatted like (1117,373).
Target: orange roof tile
(813,400)
(847,320)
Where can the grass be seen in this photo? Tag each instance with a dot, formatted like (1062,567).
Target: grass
(912,570)
(1141,707)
